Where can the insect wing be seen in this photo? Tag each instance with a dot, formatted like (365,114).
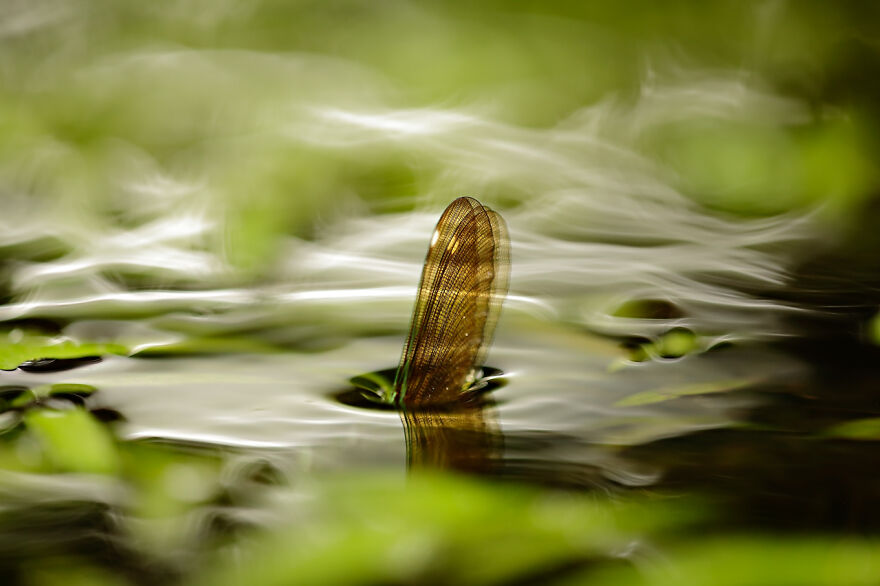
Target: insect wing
(463,284)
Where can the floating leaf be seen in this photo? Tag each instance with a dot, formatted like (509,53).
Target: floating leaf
(21,397)
(376,386)
(32,348)
(57,364)
(210,345)
(677,343)
(667,393)
(648,309)
(70,389)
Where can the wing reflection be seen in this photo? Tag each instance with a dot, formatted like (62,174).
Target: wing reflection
(466,438)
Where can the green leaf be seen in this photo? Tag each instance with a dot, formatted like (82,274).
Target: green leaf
(34,347)
(677,343)
(73,441)
(210,345)
(378,385)
(667,393)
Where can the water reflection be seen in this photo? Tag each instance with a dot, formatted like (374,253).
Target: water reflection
(469,438)
(568,400)
(465,438)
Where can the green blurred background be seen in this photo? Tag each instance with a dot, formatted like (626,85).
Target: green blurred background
(102,98)
(192,145)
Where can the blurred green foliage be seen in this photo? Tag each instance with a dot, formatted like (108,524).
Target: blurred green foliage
(107,107)
(200,92)
(874,329)
(381,528)
(440,528)
(754,560)
(858,429)
(73,441)
(70,572)
(765,169)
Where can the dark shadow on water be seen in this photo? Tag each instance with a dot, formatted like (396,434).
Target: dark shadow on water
(371,390)
(782,467)
(45,365)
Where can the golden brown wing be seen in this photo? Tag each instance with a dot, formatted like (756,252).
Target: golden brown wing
(463,285)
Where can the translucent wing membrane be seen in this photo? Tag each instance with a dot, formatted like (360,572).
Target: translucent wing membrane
(463,284)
